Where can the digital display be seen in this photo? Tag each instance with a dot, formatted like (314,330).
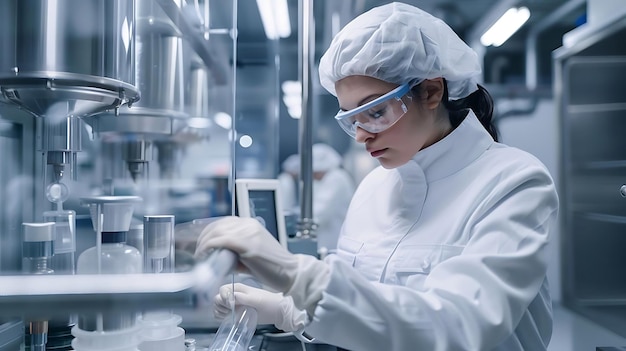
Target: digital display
(263,207)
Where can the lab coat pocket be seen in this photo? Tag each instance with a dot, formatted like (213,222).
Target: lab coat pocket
(413,263)
(348,248)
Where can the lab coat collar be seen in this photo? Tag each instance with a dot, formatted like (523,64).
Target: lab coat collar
(454,152)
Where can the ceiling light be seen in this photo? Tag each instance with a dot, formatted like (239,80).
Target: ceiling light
(275,17)
(505,26)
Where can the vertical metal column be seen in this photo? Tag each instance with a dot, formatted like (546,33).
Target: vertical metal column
(306,227)
(233,129)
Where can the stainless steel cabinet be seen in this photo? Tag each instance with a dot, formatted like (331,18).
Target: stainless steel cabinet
(589,84)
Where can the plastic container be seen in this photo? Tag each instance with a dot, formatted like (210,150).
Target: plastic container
(115,257)
(109,331)
(235,333)
(121,340)
(160,332)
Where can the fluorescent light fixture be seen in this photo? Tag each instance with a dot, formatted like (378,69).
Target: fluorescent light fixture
(512,20)
(275,17)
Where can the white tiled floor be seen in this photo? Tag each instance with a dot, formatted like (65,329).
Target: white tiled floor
(573,332)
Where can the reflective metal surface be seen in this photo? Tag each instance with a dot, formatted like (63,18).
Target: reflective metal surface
(60,140)
(591,103)
(160,71)
(67,62)
(11,187)
(75,52)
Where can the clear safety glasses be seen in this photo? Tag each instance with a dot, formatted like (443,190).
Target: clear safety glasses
(376,115)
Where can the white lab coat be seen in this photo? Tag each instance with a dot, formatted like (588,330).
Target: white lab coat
(331,198)
(447,252)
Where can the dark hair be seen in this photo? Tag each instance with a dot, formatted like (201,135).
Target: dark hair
(479,101)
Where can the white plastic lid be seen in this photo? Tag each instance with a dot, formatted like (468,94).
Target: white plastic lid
(38,231)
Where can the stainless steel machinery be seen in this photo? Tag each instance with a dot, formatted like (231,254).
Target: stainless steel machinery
(61,66)
(93,92)
(160,71)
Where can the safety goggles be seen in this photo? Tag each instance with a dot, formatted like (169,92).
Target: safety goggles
(377,115)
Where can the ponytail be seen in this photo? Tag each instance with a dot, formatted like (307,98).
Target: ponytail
(479,101)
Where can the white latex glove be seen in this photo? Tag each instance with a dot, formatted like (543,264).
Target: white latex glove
(272,308)
(259,252)
(302,276)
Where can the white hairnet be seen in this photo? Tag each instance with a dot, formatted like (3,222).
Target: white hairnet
(325,158)
(399,43)
(292,164)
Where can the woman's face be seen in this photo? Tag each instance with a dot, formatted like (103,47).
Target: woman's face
(418,128)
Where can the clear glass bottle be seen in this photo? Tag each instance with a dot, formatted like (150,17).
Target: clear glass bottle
(115,258)
(37,251)
(37,247)
(160,330)
(64,221)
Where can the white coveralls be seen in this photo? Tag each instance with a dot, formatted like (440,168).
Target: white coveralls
(447,252)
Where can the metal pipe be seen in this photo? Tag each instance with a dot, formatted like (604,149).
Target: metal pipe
(233,128)
(306,122)
(532,72)
(60,140)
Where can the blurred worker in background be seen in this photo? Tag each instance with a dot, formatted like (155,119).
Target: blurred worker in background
(288,183)
(333,188)
(444,245)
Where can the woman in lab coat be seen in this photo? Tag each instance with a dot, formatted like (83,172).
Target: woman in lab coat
(444,245)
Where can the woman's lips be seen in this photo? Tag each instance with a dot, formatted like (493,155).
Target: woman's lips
(378,153)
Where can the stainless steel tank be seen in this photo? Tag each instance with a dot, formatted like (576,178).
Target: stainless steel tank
(199,83)
(160,75)
(197,106)
(70,57)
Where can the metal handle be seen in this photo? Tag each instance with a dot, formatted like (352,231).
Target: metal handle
(622,190)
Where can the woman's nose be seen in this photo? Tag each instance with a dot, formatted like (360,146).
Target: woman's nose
(363,135)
